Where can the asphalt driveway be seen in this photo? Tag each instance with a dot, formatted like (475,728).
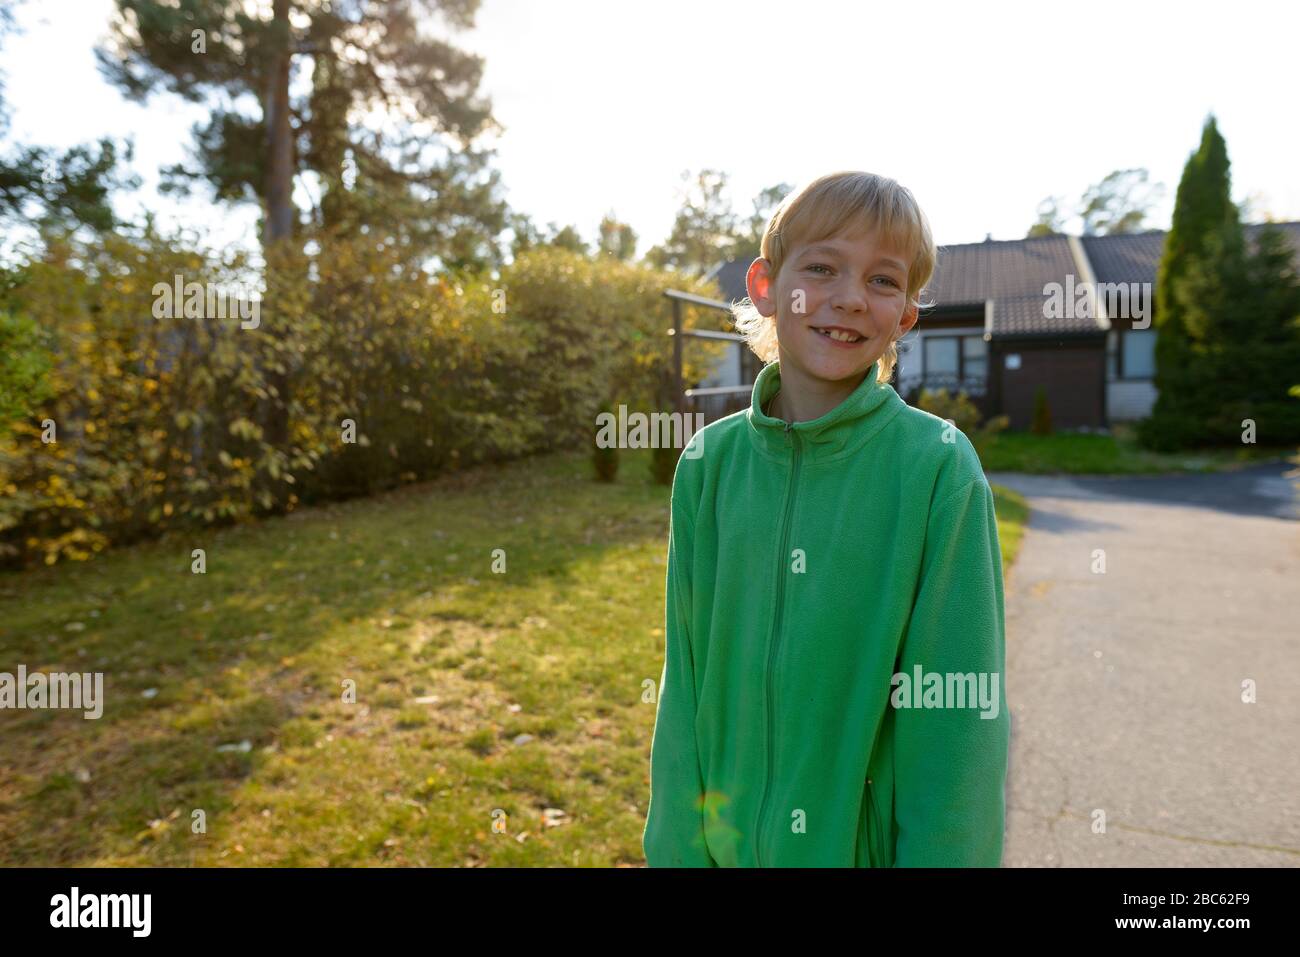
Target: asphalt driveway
(1125,685)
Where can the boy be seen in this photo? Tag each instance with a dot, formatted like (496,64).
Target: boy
(831,693)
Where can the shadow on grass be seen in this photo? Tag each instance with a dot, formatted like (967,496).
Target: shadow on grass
(192,662)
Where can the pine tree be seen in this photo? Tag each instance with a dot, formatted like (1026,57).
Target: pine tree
(364,58)
(293,86)
(1273,282)
(1185,395)
(58,191)
(1244,305)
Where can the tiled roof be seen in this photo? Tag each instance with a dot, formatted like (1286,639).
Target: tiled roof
(1128,257)
(1013,273)
(997,269)
(1024,316)
(730,277)
(1134,257)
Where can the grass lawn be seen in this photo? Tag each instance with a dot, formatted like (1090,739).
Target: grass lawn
(1118,453)
(452,663)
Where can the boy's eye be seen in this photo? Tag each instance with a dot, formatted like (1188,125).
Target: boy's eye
(889,279)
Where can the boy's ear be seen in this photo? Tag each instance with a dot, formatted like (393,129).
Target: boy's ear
(910,315)
(758,283)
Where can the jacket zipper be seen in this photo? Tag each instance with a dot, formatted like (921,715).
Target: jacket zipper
(782,558)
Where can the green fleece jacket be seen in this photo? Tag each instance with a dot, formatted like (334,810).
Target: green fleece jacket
(832,692)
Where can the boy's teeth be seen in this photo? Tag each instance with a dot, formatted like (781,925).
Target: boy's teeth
(841,336)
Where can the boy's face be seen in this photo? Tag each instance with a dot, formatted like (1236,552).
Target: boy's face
(858,285)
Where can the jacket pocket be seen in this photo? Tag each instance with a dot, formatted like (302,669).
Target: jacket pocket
(875,842)
(869,829)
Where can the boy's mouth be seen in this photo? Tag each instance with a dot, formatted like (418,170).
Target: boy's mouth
(838,335)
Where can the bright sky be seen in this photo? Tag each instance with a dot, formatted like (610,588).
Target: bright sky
(981,109)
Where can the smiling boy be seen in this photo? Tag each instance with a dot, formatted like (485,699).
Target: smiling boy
(822,542)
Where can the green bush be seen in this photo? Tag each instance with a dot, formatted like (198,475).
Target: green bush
(964,415)
(181,422)
(1042,423)
(957,408)
(25,363)
(604,458)
(663,464)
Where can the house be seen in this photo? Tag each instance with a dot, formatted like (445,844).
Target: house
(1072,315)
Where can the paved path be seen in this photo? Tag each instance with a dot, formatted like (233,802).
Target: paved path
(1125,687)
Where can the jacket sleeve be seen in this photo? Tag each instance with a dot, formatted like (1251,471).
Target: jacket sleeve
(951,762)
(674,829)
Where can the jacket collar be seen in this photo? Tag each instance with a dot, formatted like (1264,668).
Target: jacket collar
(841,431)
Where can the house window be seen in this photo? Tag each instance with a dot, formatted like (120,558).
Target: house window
(942,355)
(906,353)
(1137,353)
(964,356)
(974,357)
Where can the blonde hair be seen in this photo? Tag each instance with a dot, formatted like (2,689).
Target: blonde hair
(843,203)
